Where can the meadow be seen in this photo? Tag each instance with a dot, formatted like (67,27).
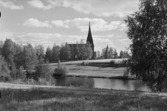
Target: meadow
(49,99)
(100,68)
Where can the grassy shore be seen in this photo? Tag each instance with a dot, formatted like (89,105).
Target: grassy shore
(46,99)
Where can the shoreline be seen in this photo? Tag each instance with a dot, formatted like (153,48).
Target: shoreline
(15,86)
(113,77)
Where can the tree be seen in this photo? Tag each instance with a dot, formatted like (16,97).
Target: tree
(55,53)
(40,53)
(147,29)
(98,55)
(1,46)
(21,74)
(111,52)
(18,56)
(84,51)
(89,51)
(81,50)
(29,57)
(8,51)
(124,54)
(48,55)
(106,53)
(121,54)
(4,70)
(115,54)
(77,50)
(65,52)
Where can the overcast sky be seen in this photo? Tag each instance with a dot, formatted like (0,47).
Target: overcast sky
(49,22)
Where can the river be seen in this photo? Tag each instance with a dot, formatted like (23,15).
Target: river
(102,83)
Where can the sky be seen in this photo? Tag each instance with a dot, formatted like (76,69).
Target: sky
(48,22)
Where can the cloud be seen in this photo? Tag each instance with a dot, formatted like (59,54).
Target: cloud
(31,22)
(5,34)
(125,41)
(97,24)
(60,23)
(49,39)
(39,4)
(9,4)
(107,8)
(119,8)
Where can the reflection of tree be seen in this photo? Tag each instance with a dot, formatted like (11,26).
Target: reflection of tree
(75,82)
(60,81)
(138,84)
(127,83)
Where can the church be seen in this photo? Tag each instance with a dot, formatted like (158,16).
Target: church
(88,40)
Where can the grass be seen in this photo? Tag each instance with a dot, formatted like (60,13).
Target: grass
(91,61)
(93,71)
(79,100)
(75,68)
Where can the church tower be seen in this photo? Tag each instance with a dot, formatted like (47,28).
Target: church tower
(90,40)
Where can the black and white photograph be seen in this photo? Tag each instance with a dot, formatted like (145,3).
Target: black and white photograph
(83,55)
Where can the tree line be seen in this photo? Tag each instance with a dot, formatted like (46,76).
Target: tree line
(16,59)
(112,53)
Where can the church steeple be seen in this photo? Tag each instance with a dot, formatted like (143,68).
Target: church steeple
(90,39)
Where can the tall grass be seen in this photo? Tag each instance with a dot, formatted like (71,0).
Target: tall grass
(63,100)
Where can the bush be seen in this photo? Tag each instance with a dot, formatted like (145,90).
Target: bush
(60,71)
(112,63)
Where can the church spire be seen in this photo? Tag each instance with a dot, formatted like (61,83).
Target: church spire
(90,39)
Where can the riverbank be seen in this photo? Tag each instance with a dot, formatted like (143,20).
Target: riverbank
(46,98)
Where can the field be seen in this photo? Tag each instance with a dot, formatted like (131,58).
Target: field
(76,69)
(49,99)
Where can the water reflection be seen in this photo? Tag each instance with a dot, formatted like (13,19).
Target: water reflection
(102,83)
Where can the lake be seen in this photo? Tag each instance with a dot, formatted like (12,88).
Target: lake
(102,83)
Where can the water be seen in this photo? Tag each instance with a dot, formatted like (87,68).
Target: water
(102,83)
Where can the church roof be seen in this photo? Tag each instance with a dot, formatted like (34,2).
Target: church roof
(89,37)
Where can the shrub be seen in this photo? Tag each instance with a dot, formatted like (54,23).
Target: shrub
(60,71)
(112,63)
